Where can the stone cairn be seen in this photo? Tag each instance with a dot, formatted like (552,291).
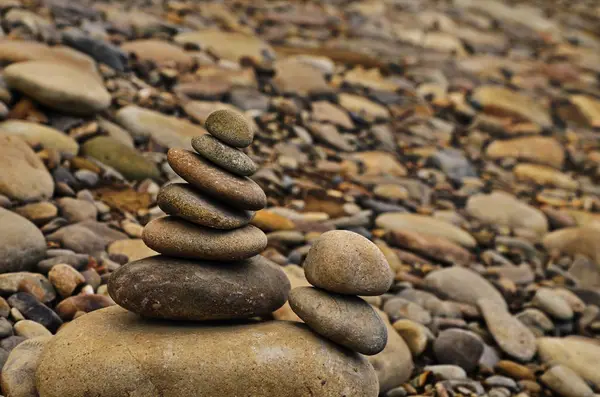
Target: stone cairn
(189,327)
(341,265)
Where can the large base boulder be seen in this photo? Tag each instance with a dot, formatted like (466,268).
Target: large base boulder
(114,353)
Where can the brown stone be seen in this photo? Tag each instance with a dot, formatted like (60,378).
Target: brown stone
(176,237)
(182,200)
(269,359)
(182,289)
(225,156)
(230,127)
(347,320)
(237,191)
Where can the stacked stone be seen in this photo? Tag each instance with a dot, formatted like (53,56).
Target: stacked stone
(209,268)
(341,265)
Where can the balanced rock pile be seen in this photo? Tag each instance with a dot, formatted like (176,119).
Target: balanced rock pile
(209,270)
(343,264)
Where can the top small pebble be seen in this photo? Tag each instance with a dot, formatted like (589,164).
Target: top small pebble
(230,127)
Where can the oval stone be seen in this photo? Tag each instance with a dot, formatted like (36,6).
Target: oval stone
(59,86)
(23,245)
(347,320)
(181,200)
(227,157)
(177,237)
(347,263)
(137,357)
(230,127)
(240,192)
(183,289)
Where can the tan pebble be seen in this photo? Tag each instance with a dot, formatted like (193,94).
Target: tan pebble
(65,279)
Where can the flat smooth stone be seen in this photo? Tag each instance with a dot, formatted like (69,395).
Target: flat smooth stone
(225,156)
(137,357)
(177,237)
(240,192)
(59,86)
(183,289)
(38,134)
(180,199)
(347,320)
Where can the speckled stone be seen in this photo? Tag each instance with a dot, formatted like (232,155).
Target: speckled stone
(183,289)
(230,127)
(176,237)
(347,320)
(240,192)
(180,199)
(347,263)
(274,358)
(227,157)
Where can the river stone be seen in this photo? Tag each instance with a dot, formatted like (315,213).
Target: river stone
(133,249)
(37,134)
(347,320)
(458,347)
(167,131)
(240,192)
(183,289)
(463,285)
(128,161)
(177,237)
(274,358)
(59,86)
(24,176)
(565,382)
(18,373)
(87,237)
(227,157)
(536,149)
(158,51)
(231,46)
(11,283)
(394,364)
(347,263)
(23,245)
(575,240)
(425,225)
(230,127)
(578,353)
(513,337)
(552,303)
(180,199)
(504,209)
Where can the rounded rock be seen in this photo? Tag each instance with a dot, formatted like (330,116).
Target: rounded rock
(274,358)
(181,289)
(59,86)
(458,347)
(227,157)
(347,263)
(230,127)
(23,245)
(240,192)
(180,199)
(176,237)
(18,373)
(346,320)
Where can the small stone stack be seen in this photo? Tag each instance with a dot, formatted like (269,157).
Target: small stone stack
(210,268)
(341,265)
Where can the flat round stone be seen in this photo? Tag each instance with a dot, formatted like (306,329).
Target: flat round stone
(225,156)
(240,192)
(59,86)
(183,289)
(159,358)
(347,320)
(180,199)
(177,237)
(230,127)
